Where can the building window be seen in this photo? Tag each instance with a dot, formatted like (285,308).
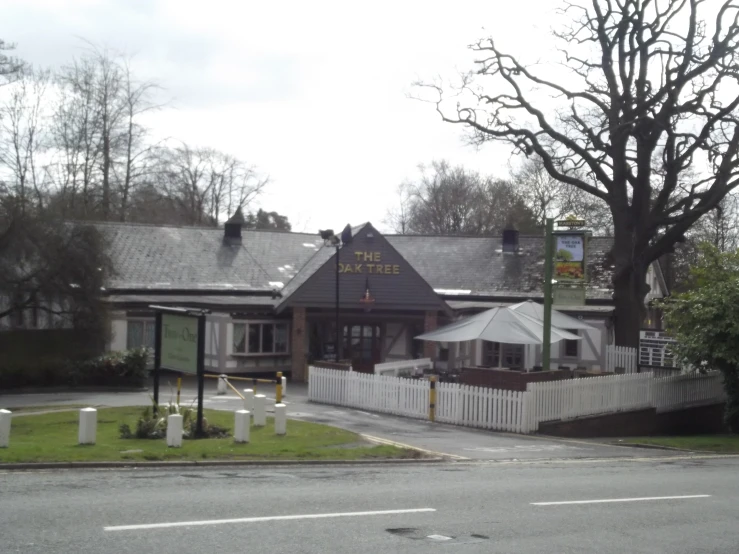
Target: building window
(140,334)
(260,338)
(571,347)
(512,355)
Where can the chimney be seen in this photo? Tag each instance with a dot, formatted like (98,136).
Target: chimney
(232,228)
(510,238)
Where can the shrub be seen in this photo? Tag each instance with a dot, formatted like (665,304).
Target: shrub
(110,369)
(151,426)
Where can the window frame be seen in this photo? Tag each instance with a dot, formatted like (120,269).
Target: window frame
(493,351)
(144,321)
(567,343)
(261,324)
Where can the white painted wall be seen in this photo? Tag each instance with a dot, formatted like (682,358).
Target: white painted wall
(229,339)
(119,328)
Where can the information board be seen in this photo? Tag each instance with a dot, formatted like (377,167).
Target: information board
(179,343)
(655,349)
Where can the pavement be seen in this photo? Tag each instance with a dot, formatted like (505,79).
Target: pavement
(568,506)
(458,443)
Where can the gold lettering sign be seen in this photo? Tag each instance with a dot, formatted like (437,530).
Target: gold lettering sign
(369,263)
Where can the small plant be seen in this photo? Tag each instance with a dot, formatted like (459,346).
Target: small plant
(151,425)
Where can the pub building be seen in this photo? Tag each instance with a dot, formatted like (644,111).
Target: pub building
(272,295)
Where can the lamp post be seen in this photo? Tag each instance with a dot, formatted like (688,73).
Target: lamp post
(331,239)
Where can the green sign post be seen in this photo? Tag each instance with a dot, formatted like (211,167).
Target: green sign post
(548,255)
(179,345)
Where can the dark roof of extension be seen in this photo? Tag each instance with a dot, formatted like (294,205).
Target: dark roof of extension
(170,258)
(478,265)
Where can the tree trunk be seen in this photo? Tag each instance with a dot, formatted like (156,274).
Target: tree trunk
(629,312)
(630,289)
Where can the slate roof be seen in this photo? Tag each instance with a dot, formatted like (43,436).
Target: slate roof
(169,258)
(478,264)
(151,257)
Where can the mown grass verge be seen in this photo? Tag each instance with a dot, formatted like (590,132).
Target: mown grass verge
(52,437)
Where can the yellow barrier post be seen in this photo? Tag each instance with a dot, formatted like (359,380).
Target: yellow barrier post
(179,388)
(278,392)
(432,399)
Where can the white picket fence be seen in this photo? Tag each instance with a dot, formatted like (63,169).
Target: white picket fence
(457,404)
(571,398)
(687,390)
(378,393)
(481,407)
(621,356)
(519,412)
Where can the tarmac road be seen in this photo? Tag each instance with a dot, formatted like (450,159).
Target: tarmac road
(660,506)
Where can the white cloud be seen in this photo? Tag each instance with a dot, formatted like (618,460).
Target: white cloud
(313,93)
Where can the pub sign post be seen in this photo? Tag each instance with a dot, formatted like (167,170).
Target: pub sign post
(179,345)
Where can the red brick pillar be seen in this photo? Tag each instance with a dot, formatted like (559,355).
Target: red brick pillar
(298,346)
(430,323)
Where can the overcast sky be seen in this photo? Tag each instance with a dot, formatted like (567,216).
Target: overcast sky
(315,94)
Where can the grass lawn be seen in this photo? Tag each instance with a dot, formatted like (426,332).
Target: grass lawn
(53,438)
(725,444)
(48,408)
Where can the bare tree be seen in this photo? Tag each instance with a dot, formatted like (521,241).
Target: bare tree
(398,216)
(645,94)
(76,136)
(720,226)
(137,153)
(207,185)
(450,200)
(10,67)
(101,146)
(23,139)
(548,197)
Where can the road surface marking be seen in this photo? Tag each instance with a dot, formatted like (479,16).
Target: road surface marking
(607,500)
(524,448)
(260,519)
(411,447)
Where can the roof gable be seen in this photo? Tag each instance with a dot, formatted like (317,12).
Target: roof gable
(369,264)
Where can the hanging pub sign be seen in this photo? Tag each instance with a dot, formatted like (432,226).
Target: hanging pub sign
(572,223)
(569,256)
(568,296)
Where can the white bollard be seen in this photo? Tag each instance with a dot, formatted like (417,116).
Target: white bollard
(284,386)
(249,400)
(260,413)
(174,430)
(5,416)
(280,419)
(88,426)
(222,384)
(241,426)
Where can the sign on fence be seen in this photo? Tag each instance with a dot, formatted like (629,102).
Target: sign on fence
(654,349)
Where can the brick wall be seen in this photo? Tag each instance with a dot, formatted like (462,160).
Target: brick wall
(430,323)
(691,421)
(509,380)
(298,345)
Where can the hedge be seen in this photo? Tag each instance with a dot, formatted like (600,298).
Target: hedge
(110,369)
